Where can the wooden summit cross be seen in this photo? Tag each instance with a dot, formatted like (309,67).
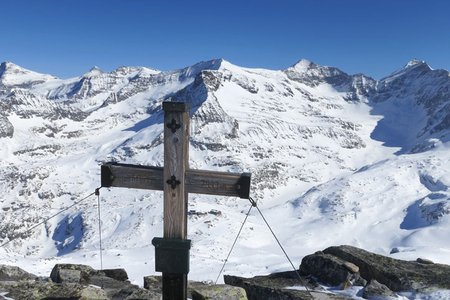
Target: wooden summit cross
(176,180)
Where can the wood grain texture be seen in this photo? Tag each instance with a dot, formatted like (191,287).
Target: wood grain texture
(176,159)
(196,181)
(175,165)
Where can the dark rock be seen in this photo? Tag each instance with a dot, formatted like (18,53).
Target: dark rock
(142,294)
(113,282)
(218,292)
(117,274)
(49,290)
(329,269)
(12,273)
(85,272)
(6,128)
(153,283)
(115,289)
(376,290)
(397,275)
(276,288)
(69,276)
(394,250)
(424,261)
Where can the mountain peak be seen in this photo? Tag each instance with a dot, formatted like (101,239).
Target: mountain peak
(412,67)
(94,71)
(9,67)
(415,63)
(303,65)
(12,74)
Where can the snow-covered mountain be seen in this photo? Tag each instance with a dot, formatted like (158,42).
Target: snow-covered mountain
(335,158)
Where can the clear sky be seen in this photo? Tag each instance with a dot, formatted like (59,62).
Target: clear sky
(66,37)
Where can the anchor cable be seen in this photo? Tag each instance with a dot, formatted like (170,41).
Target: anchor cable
(97,193)
(279,244)
(234,243)
(48,219)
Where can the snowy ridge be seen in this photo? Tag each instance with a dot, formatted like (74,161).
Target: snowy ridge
(335,158)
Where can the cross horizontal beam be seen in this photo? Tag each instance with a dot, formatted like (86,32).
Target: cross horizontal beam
(196,181)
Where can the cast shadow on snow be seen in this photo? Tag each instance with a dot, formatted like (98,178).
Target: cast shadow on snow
(157,117)
(68,234)
(426,211)
(394,129)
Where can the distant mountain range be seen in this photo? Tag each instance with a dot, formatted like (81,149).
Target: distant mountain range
(335,159)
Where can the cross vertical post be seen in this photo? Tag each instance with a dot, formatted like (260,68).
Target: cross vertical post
(176,161)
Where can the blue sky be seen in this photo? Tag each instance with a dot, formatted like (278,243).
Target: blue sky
(67,37)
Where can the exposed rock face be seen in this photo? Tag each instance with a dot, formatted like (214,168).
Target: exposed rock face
(376,290)
(276,287)
(12,273)
(397,275)
(342,267)
(6,128)
(199,290)
(330,269)
(218,292)
(68,281)
(22,290)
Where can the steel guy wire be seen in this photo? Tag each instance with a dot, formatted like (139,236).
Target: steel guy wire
(49,218)
(279,244)
(234,243)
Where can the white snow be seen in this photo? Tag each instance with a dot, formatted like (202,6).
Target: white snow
(326,171)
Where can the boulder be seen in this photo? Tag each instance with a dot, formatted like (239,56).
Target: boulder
(218,292)
(153,283)
(142,294)
(375,290)
(424,261)
(196,289)
(117,274)
(13,273)
(85,272)
(397,275)
(114,282)
(330,269)
(69,276)
(277,287)
(51,290)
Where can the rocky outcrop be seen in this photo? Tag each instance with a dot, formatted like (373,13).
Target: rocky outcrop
(69,281)
(397,275)
(330,269)
(376,290)
(338,268)
(200,290)
(6,128)
(218,292)
(279,286)
(12,273)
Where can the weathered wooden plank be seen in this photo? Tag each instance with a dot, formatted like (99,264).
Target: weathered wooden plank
(196,181)
(218,183)
(176,159)
(132,176)
(176,145)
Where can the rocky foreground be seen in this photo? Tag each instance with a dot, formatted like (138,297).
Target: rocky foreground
(380,277)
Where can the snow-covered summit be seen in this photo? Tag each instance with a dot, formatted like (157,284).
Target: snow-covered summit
(308,128)
(94,71)
(414,63)
(12,74)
